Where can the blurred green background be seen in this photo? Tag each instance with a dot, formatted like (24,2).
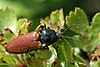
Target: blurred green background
(36,9)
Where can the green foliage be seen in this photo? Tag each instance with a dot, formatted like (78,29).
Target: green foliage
(78,17)
(94,31)
(7,18)
(81,50)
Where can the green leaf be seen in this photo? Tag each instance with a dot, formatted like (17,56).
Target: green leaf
(67,64)
(95,64)
(7,65)
(8,35)
(55,21)
(78,17)
(8,59)
(7,18)
(68,50)
(46,21)
(57,17)
(42,54)
(53,57)
(76,65)
(26,57)
(65,50)
(1,57)
(94,32)
(81,43)
(2,49)
(22,26)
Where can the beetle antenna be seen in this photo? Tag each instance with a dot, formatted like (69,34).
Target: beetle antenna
(59,35)
(70,27)
(67,37)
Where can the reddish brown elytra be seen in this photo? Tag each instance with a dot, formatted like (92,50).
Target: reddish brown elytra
(24,43)
(34,40)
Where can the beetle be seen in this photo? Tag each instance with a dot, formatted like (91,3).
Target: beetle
(34,40)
